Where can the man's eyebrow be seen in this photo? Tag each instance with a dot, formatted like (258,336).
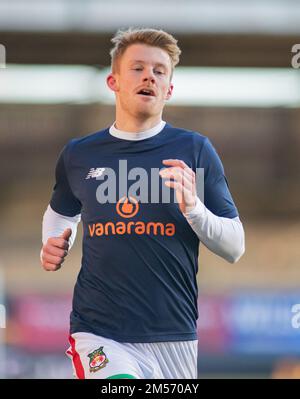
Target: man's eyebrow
(143,62)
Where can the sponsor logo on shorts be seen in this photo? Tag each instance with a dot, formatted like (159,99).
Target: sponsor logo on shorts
(98,360)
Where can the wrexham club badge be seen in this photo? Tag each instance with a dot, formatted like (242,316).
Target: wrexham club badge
(98,360)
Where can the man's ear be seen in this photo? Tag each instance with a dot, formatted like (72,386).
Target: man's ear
(170,91)
(112,82)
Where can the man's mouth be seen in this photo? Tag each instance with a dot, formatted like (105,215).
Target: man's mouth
(146,92)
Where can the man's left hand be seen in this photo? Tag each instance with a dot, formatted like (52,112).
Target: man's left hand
(184,182)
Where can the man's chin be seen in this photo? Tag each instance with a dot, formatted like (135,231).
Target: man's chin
(145,110)
(145,113)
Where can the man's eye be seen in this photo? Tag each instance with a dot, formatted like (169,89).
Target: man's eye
(137,69)
(159,72)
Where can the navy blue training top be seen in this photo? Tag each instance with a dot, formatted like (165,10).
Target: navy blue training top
(137,281)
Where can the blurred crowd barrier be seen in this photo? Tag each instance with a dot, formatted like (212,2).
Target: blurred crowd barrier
(239,334)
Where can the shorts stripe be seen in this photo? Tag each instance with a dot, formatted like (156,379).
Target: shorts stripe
(76,360)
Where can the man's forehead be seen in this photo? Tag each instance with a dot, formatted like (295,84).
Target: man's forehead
(151,61)
(147,54)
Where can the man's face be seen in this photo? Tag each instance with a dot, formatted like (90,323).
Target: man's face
(142,80)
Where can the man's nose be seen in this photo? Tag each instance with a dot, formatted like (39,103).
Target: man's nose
(149,76)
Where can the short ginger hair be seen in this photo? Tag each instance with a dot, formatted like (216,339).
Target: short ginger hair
(151,37)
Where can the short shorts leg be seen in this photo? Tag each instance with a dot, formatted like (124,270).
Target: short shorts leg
(95,357)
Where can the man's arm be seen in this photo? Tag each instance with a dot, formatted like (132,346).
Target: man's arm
(60,219)
(223,236)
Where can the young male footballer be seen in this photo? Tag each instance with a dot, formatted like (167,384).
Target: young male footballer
(134,307)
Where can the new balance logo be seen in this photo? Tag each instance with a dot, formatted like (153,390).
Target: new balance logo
(94,173)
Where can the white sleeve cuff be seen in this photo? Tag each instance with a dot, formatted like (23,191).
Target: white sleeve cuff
(54,224)
(197,210)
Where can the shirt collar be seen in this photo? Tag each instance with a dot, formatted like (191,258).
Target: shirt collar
(120,134)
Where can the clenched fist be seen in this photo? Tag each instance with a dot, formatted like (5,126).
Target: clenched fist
(54,251)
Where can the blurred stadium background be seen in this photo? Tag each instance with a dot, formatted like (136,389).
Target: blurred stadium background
(235,84)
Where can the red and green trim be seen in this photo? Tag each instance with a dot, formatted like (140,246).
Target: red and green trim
(116,376)
(76,360)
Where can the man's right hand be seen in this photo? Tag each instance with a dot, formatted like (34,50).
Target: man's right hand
(54,251)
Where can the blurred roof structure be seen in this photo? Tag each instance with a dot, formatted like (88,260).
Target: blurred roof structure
(213,33)
(185,16)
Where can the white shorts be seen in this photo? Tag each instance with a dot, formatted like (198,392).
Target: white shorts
(98,357)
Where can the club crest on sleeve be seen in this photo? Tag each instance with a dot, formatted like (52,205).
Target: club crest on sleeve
(98,360)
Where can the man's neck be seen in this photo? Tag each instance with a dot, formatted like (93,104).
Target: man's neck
(135,125)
